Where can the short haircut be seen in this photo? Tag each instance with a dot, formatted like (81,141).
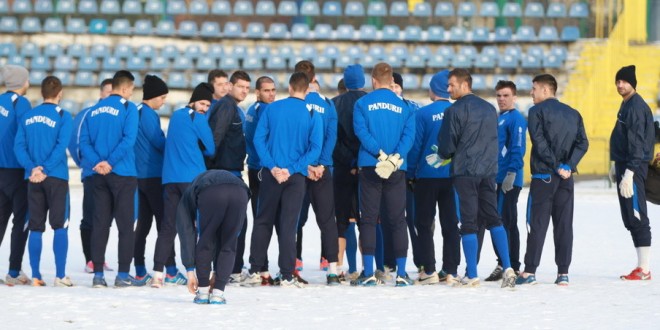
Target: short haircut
(299,82)
(50,87)
(341,87)
(262,80)
(548,80)
(506,84)
(216,74)
(382,72)
(305,67)
(105,82)
(461,75)
(121,78)
(239,75)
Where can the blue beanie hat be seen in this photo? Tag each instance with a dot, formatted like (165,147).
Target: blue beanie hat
(354,76)
(439,83)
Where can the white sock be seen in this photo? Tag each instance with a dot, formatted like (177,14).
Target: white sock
(217,292)
(203,289)
(265,274)
(643,258)
(332,269)
(158,275)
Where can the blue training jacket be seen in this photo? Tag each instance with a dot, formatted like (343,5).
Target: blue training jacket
(249,127)
(383,121)
(187,133)
(326,108)
(41,140)
(150,144)
(511,135)
(12,109)
(428,122)
(109,132)
(74,143)
(289,136)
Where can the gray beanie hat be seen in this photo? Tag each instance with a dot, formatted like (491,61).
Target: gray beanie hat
(14,76)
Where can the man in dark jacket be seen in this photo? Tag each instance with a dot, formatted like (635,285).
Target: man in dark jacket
(558,144)
(468,136)
(631,148)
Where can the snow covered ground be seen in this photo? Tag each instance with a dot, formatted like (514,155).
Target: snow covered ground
(595,299)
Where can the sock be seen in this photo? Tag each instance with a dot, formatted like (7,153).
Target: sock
(158,275)
(122,275)
(351,248)
(34,247)
(380,248)
(140,271)
(502,245)
(332,269)
(368,264)
(470,246)
(217,292)
(171,270)
(265,274)
(643,258)
(98,274)
(401,266)
(60,248)
(13,273)
(203,289)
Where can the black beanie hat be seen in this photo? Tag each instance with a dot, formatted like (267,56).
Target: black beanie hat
(153,87)
(398,79)
(203,91)
(627,73)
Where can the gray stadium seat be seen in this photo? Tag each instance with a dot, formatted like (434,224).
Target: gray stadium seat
(277,31)
(287,8)
(84,78)
(310,8)
(221,8)
(354,8)
(143,27)
(120,26)
(188,28)
(22,7)
(444,9)
(502,34)
(300,31)
(44,7)
(65,7)
(345,32)
(435,33)
(556,10)
(30,49)
(88,63)
(109,7)
(489,9)
(199,7)
(131,7)
(123,51)
(243,8)
(8,24)
(31,25)
(76,50)
(422,9)
(466,9)
(64,63)
(165,28)
(53,50)
(88,7)
(176,7)
(376,9)
(154,7)
(548,33)
(534,9)
(232,30)
(399,9)
(210,30)
(255,30)
(512,9)
(265,8)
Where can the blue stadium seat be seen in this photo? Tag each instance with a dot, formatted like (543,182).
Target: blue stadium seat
(287,8)
(65,7)
(461,61)
(123,51)
(344,61)
(154,7)
(170,52)
(491,51)
(412,33)
(376,9)
(529,61)
(559,51)
(22,7)
(308,52)
(16,60)
(446,51)
(30,49)
(536,51)
(345,32)
(40,63)
(4,7)
(131,7)
(221,8)
(444,9)
(255,30)
(548,33)
(111,63)
(390,33)
(401,52)
(355,52)
(275,63)
(579,10)
(310,8)
(466,9)
(480,34)
(468,51)
(435,33)
(570,33)
(88,63)
(252,64)
(457,34)
(552,62)
(8,24)
(422,9)
(415,62)
(136,64)
(277,31)
(300,31)
(556,10)
(69,105)
(88,7)
(109,7)
(7,49)
(534,9)
(84,78)
(265,8)
(354,8)
(489,9)
(210,30)
(31,25)
(146,52)
(44,7)
(120,26)
(322,31)
(159,63)
(188,28)
(143,27)
(182,64)
(99,51)
(332,52)
(177,80)
(394,61)
(399,9)
(64,63)
(228,63)
(54,25)
(36,77)
(215,51)
(166,110)
(207,64)
(199,7)
(262,51)
(478,82)
(197,78)
(410,81)
(53,50)
(323,63)
(503,34)
(102,76)
(525,33)
(426,80)
(232,30)
(285,52)
(176,7)
(96,26)
(239,52)
(331,8)
(512,9)
(165,28)
(513,51)
(422,51)
(243,8)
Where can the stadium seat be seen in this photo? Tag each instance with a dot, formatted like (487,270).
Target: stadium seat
(197,78)
(412,33)
(111,63)
(410,81)
(344,61)
(331,8)
(165,28)
(502,34)
(65,7)
(308,52)
(239,52)
(401,52)
(170,52)
(345,32)
(252,64)
(88,7)
(177,80)
(64,63)
(332,52)
(536,51)
(255,30)
(489,9)
(548,33)
(446,51)
(534,9)
(53,50)
(154,7)
(215,51)
(7,49)
(468,51)
(287,8)
(31,25)
(16,60)
(275,63)
(123,51)
(322,31)
(556,10)
(579,10)
(232,30)
(159,63)
(146,52)
(84,78)
(36,77)
(120,26)
(480,34)
(30,49)
(109,7)
(552,62)
(415,62)
(44,7)
(457,34)
(529,61)
(491,51)
(444,9)
(310,8)
(176,7)
(390,33)
(143,27)
(513,51)
(96,26)
(466,9)
(88,63)
(323,63)
(422,51)
(277,31)
(399,9)
(377,9)
(559,51)
(461,61)
(131,7)
(206,64)
(354,8)
(265,8)
(300,31)
(4,7)
(422,9)
(68,105)
(210,30)
(182,64)
(525,33)
(285,52)
(394,61)
(243,8)
(188,29)
(512,9)
(99,51)
(426,80)
(570,33)
(75,50)
(378,52)
(228,63)
(367,32)
(478,82)
(435,33)
(221,8)
(356,52)
(54,25)
(199,7)
(22,7)
(136,64)
(40,63)
(8,24)
(262,51)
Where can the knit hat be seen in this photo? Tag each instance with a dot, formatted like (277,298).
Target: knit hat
(398,79)
(627,73)
(203,91)
(14,76)
(153,87)
(354,76)
(438,84)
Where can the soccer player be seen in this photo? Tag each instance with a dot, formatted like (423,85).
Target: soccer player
(13,193)
(149,149)
(220,82)
(558,144)
(40,147)
(385,126)
(189,139)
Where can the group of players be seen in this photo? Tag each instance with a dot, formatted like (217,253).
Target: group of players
(368,159)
